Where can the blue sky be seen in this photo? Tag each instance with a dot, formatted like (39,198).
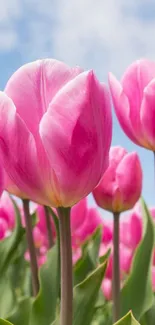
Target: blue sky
(103,35)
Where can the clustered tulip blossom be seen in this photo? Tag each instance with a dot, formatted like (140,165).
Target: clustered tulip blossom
(55,137)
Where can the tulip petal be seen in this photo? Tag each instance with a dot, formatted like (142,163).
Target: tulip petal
(1,180)
(72,133)
(17,147)
(78,214)
(107,193)
(129,180)
(135,79)
(33,86)
(122,108)
(148,114)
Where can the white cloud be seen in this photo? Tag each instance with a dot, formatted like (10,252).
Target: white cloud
(104,35)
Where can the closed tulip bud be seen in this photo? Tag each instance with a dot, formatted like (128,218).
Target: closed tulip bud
(121,184)
(134,102)
(55,132)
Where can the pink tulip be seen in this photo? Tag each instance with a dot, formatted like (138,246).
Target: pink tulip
(7,211)
(76,255)
(131,230)
(153,277)
(90,224)
(126,255)
(107,288)
(78,214)
(1,180)
(55,132)
(4,229)
(107,235)
(121,184)
(134,102)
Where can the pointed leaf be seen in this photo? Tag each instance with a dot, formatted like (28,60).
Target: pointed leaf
(85,296)
(7,297)
(127,320)
(21,314)
(89,259)
(137,292)
(9,245)
(92,245)
(44,306)
(5,322)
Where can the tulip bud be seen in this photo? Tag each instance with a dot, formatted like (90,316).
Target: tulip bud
(121,184)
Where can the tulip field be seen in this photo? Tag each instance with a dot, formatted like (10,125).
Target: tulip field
(63,261)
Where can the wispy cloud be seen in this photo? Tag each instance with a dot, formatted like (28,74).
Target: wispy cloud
(100,34)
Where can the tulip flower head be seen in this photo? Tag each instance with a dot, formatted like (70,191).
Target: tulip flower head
(60,121)
(121,184)
(134,102)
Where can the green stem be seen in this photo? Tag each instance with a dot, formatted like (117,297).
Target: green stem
(49,227)
(116,270)
(31,247)
(66,313)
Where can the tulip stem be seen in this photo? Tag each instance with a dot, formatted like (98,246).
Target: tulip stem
(49,227)
(31,247)
(66,313)
(116,270)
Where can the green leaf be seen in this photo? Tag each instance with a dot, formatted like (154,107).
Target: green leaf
(44,306)
(4,322)
(137,292)
(8,246)
(149,317)
(21,314)
(7,297)
(89,259)
(127,320)
(85,296)
(92,245)
(105,257)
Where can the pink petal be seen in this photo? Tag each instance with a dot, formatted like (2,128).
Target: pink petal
(91,223)
(122,107)
(18,151)
(1,180)
(76,133)
(131,230)
(129,180)
(78,214)
(153,278)
(33,86)
(107,194)
(3,228)
(148,114)
(135,79)
(7,210)
(107,288)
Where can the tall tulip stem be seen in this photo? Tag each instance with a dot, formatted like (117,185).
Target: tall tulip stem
(116,270)
(66,267)
(31,247)
(49,227)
